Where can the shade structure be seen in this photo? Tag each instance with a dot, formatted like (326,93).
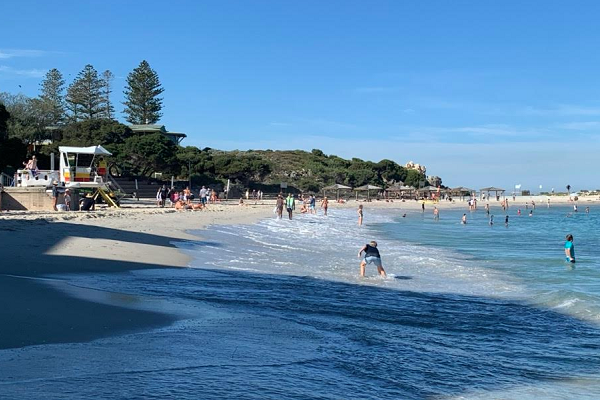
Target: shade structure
(496,190)
(368,188)
(95,150)
(337,187)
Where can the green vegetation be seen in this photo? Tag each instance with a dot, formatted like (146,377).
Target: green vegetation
(82,115)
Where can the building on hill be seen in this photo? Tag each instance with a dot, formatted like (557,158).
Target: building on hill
(175,137)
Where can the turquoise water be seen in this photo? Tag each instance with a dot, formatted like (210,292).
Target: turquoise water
(276,310)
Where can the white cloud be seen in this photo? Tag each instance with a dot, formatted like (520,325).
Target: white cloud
(29,73)
(14,53)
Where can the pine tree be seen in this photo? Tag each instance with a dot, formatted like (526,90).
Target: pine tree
(142,104)
(108,109)
(84,95)
(52,96)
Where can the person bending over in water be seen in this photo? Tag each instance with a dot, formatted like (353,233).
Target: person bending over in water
(371,256)
(570,249)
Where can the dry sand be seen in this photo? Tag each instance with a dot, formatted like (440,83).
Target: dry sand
(37,245)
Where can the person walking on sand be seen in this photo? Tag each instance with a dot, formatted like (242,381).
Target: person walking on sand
(371,256)
(436,214)
(569,249)
(290,204)
(360,214)
(325,204)
(464,219)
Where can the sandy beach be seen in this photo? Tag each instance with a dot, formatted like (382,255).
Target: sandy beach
(38,245)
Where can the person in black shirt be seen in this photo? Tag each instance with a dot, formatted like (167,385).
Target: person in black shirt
(88,203)
(371,256)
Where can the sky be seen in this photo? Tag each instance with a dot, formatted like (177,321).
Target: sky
(482,93)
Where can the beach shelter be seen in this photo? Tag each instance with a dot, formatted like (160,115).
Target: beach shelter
(77,164)
(496,190)
(461,191)
(337,187)
(368,188)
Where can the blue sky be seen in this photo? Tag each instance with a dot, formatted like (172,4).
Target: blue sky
(482,93)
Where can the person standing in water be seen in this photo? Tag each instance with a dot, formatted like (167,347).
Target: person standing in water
(506,220)
(491,219)
(423,207)
(436,213)
(290,204)
(464,219)
(570,249)
(360,214)
(324,204)
(371,256)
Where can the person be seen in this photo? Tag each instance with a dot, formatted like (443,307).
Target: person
(54,195)
(241,203)
(290,204)
(31,165)
(360,214)
(487,208)
(506,220)
(158,200)
(87,203)
(574,207)
(531,213)
(312,204)
(464,219)
(163,195)
(519,211)
(247,194)
(325,204)
(202,194)
(371,256)
(68,200)
(569,249)
(436,213)
(491,219)
(403,215)
(279,206)
(423,207)
(587,210)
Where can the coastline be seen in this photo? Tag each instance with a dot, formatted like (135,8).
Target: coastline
(38,245)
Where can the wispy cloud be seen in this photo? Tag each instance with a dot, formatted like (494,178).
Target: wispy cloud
(580,126)
(376,89)
(29,73)
(14,53)
(561,110)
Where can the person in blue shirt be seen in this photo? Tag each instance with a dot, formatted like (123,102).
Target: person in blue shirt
(570,249)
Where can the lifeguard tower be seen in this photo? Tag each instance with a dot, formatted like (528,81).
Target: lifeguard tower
(84,167)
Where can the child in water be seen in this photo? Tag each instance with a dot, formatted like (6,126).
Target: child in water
(569,249)
(360,214)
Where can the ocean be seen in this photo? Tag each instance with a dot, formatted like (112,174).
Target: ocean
(276,310)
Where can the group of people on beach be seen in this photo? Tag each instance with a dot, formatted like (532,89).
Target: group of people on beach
(184,199)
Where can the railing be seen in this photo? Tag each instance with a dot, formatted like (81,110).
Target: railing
(113,182)
(6,180)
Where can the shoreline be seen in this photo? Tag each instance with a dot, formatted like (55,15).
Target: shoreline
(39,244)
(43,245)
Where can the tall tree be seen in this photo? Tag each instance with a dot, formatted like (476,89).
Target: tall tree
(142,104)
(52,96)
(84,95)
(108,109)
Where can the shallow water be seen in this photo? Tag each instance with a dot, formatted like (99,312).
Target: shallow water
(276,310)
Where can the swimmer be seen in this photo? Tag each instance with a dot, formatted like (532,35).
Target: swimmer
(531,213)
(403,215)
(569,249)
(519,211)
(371,256)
